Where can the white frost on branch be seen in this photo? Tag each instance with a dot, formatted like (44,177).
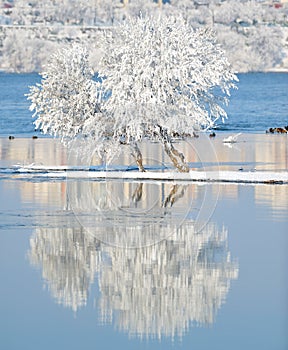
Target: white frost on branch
(66,97)
(162,72)
(158,78)
(66,103)
(46,26)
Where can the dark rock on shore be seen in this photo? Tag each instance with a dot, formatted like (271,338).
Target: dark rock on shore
(280,130)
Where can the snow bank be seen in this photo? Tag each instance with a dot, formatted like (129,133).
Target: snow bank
(94,173)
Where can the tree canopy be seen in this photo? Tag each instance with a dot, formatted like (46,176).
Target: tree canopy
(66,103)
(159,78)
(163,72)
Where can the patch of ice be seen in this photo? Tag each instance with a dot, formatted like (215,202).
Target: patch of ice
(70,172)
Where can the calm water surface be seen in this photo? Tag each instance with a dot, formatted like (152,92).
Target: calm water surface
(148,265)
(260,102)
(143,265)
(67,279)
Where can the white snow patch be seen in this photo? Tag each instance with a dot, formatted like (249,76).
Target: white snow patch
(71,172)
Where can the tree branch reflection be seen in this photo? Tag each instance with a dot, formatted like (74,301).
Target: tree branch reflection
(154,291)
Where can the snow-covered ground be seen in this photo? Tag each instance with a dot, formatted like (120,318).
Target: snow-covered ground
(254,158)
(36,172)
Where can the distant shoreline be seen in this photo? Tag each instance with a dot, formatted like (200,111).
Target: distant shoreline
(206,134)
(280,70)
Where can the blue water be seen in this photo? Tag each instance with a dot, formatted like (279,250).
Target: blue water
(68,283)
(222,288)
(15,117)
(260,102)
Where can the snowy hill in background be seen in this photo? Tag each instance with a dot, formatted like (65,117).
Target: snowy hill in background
(253,33)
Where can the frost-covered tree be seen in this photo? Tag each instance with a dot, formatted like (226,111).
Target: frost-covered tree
(166,79)
(65,103)
(66,98)
(24,51)
(265,45)
(247,12)
(163,79)
(246,17)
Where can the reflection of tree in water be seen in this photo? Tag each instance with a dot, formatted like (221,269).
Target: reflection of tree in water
(158,290)
(128,214)
(164,288)
(69,261)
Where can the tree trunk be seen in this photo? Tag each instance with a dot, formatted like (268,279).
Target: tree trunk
(177,157)
(136,153)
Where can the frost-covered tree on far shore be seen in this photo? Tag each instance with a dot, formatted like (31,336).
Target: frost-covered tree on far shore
(25,52)
(166,79)
(266,47)
(81,22)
